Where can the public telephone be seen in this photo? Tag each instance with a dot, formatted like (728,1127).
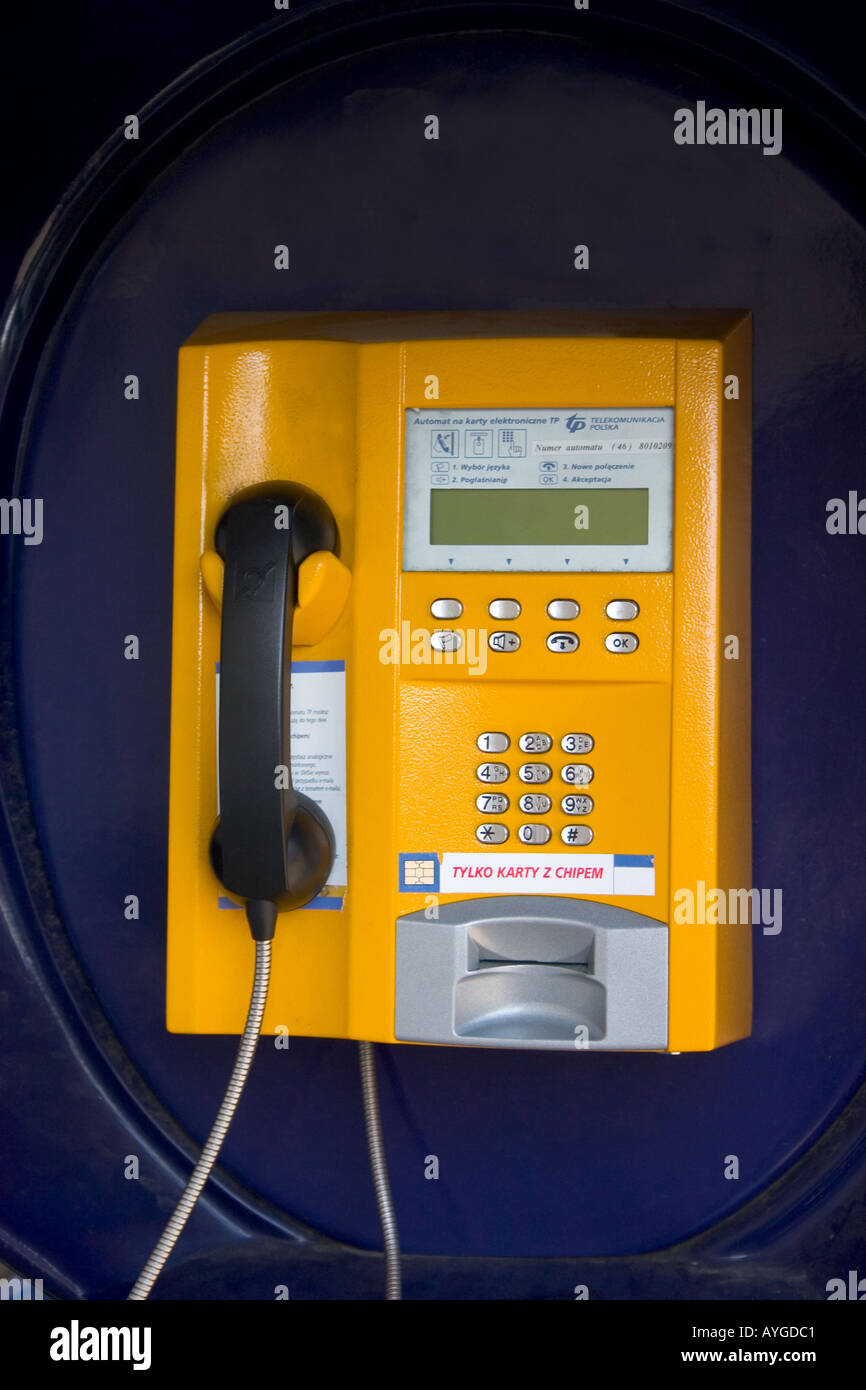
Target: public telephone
(507,556)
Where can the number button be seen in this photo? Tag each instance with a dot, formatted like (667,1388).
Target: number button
(575,834)
(534,772)
(577,743)
(577,805)
(578,774)
(535,743)
(492,834)
(534,804)
(492,772)
(534,834)
(497,743)
(494,803)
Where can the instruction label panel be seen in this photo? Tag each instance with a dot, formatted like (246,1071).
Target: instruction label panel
(539,490)
(319,746)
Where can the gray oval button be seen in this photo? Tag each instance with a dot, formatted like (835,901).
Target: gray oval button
(446,608)
(563,642)
(575,834)
(505,609)
(577,805)
(577,743)
(493,743)
(492,803)
(445,639)
(534,772)
(578,774)
(535,743)
(621,642)
(564,610)
(534,834)
(622,610)
(504,641)
(534,803)
(492,834)
(492,772)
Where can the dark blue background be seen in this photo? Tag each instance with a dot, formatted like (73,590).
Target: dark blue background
(545,142)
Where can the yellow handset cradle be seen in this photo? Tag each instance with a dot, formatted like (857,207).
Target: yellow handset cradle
(521,693)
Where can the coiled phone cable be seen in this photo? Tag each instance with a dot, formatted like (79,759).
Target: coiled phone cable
(261,916)
(379,1169)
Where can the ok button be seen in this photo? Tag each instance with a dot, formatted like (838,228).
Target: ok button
(621,642)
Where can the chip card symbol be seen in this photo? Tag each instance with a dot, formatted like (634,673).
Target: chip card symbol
(419,873)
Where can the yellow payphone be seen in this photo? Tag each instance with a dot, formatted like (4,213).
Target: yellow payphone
(511,695)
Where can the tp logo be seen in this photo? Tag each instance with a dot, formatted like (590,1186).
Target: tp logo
(575,422)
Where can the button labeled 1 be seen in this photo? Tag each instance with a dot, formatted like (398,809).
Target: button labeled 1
(496,743)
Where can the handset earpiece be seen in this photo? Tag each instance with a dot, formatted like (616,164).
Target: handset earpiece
(271,842)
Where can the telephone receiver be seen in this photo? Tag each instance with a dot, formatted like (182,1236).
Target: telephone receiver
(275,568)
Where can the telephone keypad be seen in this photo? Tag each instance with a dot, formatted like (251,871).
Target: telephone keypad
(535,743)
(492,834)
(535,772)
(535,803)
(493,772)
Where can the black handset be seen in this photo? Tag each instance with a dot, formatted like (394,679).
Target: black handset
(271,841)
